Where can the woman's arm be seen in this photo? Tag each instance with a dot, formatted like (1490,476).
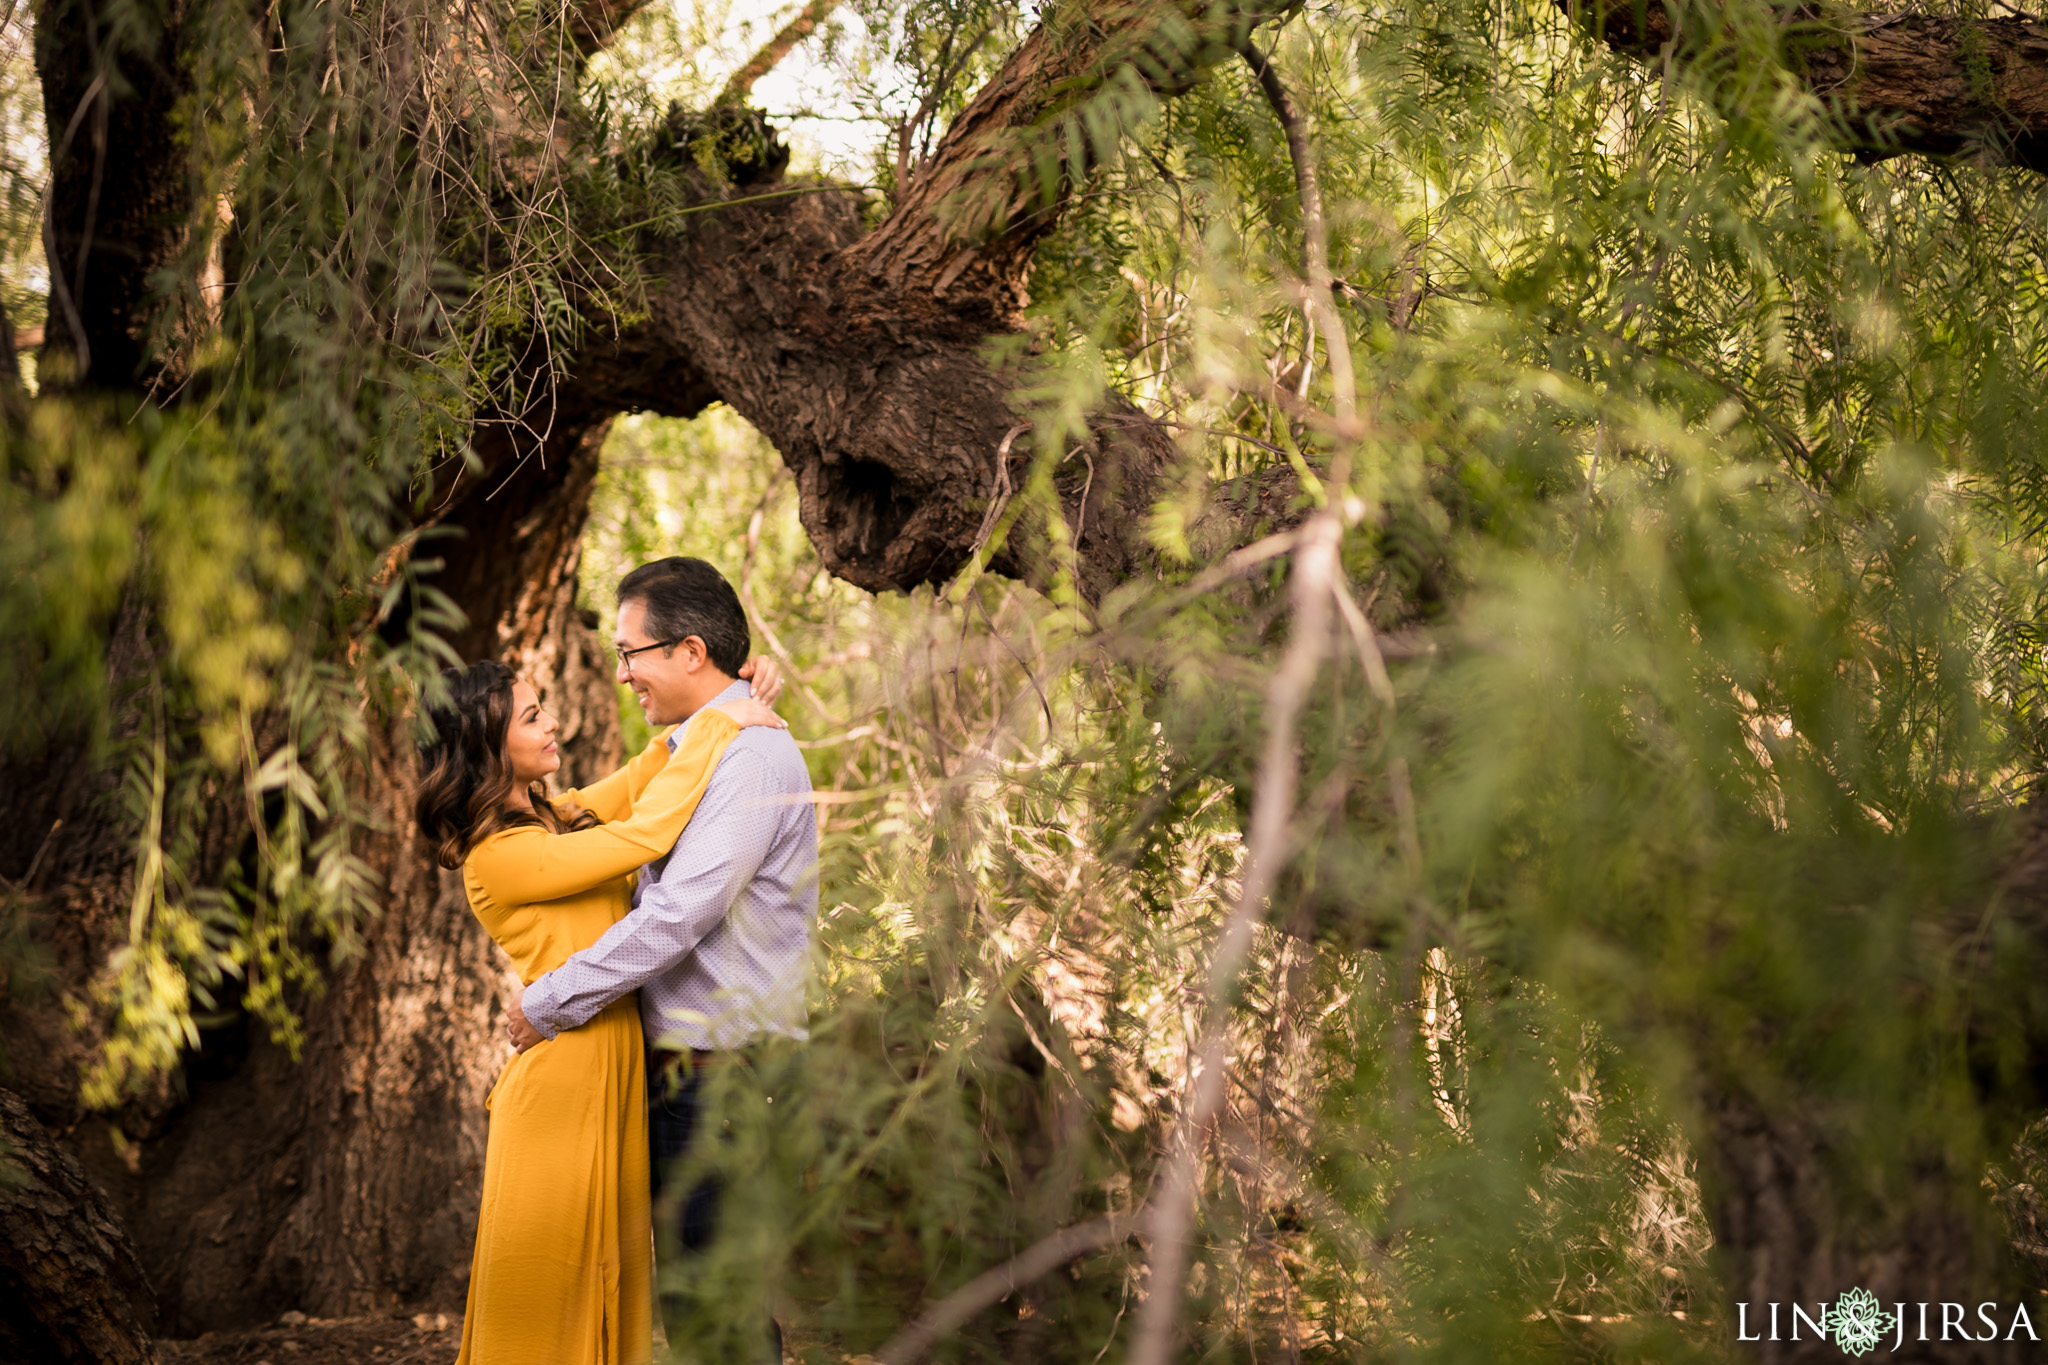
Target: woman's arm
(611,798)
(525,864)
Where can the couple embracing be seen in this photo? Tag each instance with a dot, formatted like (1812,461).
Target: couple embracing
(660,920)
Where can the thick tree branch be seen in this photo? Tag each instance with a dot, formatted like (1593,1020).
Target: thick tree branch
(966,226)
(864,357)
(1894,83)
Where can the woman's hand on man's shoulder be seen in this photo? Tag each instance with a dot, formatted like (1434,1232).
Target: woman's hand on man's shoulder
(764,678)
(746,711)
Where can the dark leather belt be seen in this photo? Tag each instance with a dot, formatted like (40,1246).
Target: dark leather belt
(681,1061)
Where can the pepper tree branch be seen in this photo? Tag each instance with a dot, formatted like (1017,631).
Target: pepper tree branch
(1173,1208)
(1315,231)
(864,356)
(1893,84)
(997,182)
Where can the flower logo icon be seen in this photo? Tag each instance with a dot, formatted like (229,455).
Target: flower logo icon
(1858,1322)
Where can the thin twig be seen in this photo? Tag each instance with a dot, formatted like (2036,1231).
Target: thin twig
(1315,232)
(34,864)
(1234,565)
(993,1286)
(999,491)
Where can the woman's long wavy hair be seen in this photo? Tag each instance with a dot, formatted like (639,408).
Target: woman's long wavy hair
(465,793)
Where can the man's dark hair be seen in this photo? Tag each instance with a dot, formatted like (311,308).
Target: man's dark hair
(686,597)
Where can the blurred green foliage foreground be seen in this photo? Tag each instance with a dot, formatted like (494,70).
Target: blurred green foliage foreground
(1661,747)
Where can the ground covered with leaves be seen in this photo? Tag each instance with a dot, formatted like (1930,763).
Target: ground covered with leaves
(296,1339)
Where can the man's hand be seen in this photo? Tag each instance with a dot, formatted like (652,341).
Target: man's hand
(522,1034)
(764,679)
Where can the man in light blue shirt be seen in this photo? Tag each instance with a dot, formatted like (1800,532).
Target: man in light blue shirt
(718,941)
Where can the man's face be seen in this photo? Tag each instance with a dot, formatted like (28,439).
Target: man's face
(665,680)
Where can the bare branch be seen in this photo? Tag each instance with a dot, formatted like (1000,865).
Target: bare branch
(771,54)
(993,1286)
(1316,581)
(1315,227)
(1315,569)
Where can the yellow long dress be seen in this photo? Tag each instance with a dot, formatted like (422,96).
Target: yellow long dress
(563,1271)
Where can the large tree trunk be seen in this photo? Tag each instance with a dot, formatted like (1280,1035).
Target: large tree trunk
(1799,1215)
(346,1181)
(1792,1226)
(120,195)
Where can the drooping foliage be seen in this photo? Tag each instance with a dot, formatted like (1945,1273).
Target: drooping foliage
(1659,766)
(1695,508)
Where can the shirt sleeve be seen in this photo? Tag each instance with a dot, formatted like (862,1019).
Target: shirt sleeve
(526,864)
(612,797)
(718,854)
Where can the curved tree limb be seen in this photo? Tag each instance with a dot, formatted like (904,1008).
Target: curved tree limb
(865,357)
(965,228)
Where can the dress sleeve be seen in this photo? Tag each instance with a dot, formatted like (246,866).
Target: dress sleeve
(525,864)
(612,797)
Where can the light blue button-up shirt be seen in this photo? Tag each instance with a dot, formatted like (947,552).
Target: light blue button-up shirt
(719,939)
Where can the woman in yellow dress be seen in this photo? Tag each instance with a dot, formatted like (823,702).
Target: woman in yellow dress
(563,1271)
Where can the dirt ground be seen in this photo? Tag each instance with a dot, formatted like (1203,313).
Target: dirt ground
(427,1339)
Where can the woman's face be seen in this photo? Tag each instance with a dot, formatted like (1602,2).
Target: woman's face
(530,738)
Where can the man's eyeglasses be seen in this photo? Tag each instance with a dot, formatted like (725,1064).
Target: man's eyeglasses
(626,655)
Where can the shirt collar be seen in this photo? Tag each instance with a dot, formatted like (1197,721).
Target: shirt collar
(740,688)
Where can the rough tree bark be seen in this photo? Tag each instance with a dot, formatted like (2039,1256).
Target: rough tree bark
(863,356)
(119,197)
(62,1251)
(1797,1217)
(1893,83)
